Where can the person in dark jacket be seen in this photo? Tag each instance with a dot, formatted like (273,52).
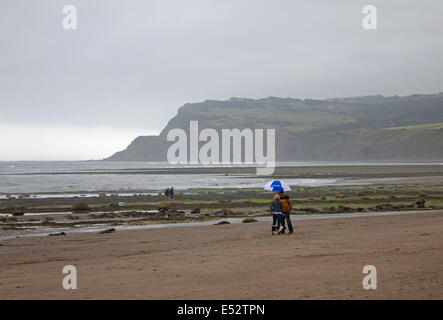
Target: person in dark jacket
(276,208)
(287,206)
(171,194)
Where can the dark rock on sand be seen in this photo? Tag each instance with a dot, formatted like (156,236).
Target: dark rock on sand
(224,212)
(108,231)
(221,222)
(343,209)
(17,210)
(80,207)
(309,209)
(57,234)
(249,220)
(420,203)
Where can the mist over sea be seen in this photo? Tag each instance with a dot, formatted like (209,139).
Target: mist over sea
(92,176)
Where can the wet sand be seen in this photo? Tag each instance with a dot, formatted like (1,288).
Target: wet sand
(323,260)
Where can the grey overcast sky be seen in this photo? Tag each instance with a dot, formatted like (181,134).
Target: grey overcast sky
(86,93)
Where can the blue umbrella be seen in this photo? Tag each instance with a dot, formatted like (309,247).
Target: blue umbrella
(277,185)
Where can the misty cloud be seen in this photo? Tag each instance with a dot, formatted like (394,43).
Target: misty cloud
(131,64)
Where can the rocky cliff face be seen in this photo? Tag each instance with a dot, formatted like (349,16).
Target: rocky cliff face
(362,128)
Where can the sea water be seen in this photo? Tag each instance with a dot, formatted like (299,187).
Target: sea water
(87,177)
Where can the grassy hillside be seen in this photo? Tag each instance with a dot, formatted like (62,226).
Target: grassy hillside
(362,128)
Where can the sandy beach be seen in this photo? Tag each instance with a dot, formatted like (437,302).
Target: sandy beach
(258,153)
(323,260)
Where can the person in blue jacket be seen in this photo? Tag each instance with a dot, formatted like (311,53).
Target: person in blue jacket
(276,208)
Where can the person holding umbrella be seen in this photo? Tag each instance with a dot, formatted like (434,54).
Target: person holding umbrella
(281,187)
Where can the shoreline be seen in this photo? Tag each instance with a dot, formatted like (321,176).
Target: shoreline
(154,192)
(40,181)
(22,214)
(98,227)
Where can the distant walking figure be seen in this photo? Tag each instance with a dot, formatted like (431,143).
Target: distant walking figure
(171,194)
(167,194)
